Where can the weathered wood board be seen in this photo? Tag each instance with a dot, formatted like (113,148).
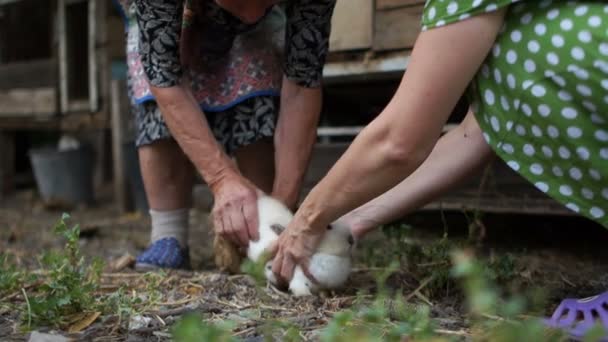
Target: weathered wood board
(352,25)
(396,27)
(25,102)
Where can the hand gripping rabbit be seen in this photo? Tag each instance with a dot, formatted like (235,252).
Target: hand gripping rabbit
(330,265)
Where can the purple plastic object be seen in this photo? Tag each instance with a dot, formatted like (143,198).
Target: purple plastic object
(578,316)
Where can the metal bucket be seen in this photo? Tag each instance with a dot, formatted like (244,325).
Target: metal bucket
(64,178)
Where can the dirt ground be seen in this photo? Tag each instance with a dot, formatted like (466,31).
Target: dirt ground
(566,256)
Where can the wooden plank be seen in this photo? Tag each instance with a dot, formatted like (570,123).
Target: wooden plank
(390,65)
(397,28)
(25,102)
(118,91)
(391,4)
(352,27)
(31,74)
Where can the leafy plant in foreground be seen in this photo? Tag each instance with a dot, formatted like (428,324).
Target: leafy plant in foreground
(70,285)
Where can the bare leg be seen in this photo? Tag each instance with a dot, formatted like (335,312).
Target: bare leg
(256,163)
(456,157)
(167,174)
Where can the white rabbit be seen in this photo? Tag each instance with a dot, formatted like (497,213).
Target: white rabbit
(330,265)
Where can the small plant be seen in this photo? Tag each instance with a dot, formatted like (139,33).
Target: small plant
(11,279)
(70,285)
(192,328)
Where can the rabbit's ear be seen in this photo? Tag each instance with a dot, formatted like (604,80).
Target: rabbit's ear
(277,228)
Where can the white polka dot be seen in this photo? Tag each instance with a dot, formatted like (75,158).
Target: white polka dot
(516,36)
(606,99)
(540,29)
(558,171)
(583,153)
(560,81)
(529,65)
(564,95)
(432,12)
(575,173)
(601,135)
(604,49)
(581,10)
(485,71)
(514,165)
(511,57)
(538,90)
(573,207)
(526,109)
(596,212)
(584,90)
(605,193)
(496,50)
(511,81)
(452,7)
(566,24)
(544,187)
(516,103)
(569,113)
(596,119)
(595,174)
(520,130)
(552,131)
(604,84)
(602,65)
(588,194)
(547,151)
(536,131)
(553,58)
(578,72)
(590,106)
(554,13)
(536,169)
(529,150)
(464,16)
(509,125)
(557,41)
(491,7)
(497,76)
(486,137)
(495,124)
(584,36)
(508,148)
(477,3)
(504,102)
(533,46)
(578,53)
(526,18)
(527,84)
(595,21)
(574,132)
(440,23)
(564,152)
(489,96)
(604,153)
(544,110)
(565,190)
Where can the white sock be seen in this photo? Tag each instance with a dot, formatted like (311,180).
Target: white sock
(170,223)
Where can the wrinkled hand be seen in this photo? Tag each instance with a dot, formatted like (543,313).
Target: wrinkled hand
(295,246)
(235,210)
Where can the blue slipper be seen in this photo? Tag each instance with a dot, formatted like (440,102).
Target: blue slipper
(163,253)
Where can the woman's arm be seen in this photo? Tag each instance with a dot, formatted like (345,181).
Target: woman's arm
(456,157)
(444,61)
(235,209)
(294,138)
(306,44)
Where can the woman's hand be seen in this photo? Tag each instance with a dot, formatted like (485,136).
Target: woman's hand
(295,246)
(235,209)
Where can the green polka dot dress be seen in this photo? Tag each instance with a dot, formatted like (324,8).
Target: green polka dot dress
(541,96)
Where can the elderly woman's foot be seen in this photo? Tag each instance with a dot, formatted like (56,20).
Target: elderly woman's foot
(163,253)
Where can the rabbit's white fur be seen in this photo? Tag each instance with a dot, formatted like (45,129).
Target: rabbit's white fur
(330,265)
